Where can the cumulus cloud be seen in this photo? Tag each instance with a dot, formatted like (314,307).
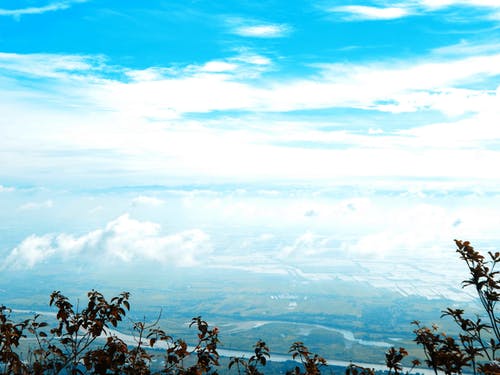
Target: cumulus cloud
(403,229)
(421,228)
(121,240)
(31,251)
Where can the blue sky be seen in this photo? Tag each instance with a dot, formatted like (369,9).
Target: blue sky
(238,91)
(387,98)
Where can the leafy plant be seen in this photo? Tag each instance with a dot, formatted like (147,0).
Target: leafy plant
(10,335)
(478,341)
(311,362)
(83,342)
(252,365)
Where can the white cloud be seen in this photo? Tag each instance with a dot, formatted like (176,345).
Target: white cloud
(305,246)
(476,132)
(6,189)
(37,205)
(51,7)
(146,200)
(437,4)
(466,48)
(143,131)
(393,87)
(122,240)
(387,11)
(148,74)
(32,250)
(400,88)
(262,31)
(225,85)
(218,67)
(420,230)
(362,12)
(95,209)
(49,65)
(127,239)
(253,58)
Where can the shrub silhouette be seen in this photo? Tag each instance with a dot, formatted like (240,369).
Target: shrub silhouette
(72,346)
(251,366)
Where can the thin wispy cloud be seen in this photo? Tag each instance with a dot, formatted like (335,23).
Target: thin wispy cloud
(51,7)
(383,10)
(147,200)
(433,4)
(6,189)
(262,31)
(49,65)
(363,12)
(392,87)
(129,134)
(37,205)
(466,48)
(253,112)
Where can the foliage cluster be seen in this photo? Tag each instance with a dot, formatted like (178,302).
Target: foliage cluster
(83,341)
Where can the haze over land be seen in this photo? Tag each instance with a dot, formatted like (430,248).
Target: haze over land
(261,163)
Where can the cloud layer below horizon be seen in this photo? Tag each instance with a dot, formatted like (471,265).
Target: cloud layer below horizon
(242,137)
